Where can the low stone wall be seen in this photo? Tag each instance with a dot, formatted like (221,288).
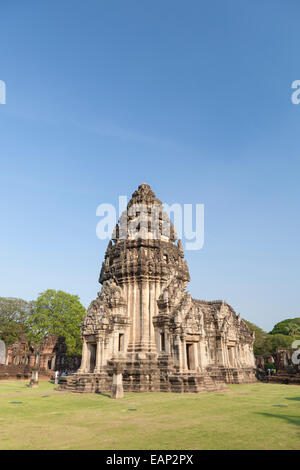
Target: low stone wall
(14,372)
(284,378)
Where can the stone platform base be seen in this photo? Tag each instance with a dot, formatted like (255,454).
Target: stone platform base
(143,380)
(238,376)
(13,372)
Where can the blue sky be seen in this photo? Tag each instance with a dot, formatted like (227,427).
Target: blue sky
(193,98)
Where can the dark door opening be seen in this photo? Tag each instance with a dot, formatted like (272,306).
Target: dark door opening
(162,342)
(230,356)
(190,357)
(92,348)
(121,342)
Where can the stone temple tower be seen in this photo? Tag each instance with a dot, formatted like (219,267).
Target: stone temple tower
(145,322)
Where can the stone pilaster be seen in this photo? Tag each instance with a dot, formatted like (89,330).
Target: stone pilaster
(84,359)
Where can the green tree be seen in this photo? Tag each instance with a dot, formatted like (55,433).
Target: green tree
(279,341)
(267,343)
(292,329)
(57,313)
(261,336)
(290,326)
(14,314)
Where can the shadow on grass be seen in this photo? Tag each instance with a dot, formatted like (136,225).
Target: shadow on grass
(293,398)
(103,394)
(289,419)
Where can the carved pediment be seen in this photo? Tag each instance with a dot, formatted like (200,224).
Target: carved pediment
(101,310)
(111,294)
(173,294)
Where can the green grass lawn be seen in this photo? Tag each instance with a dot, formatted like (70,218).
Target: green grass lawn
(244,417)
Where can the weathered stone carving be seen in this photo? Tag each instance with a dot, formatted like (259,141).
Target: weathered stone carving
(144,319)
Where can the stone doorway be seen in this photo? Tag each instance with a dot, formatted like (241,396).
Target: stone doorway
(231,356)
(92,356)
(121,342)
(190,356)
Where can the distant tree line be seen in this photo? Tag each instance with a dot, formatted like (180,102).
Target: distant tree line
(282,336)
(53,312)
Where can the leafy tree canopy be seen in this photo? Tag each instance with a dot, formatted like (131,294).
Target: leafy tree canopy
(14,314)
(279,341)
(267,343)
(260,338)
(57,313)
(289,327)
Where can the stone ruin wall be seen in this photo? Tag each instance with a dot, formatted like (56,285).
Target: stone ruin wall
(22,356)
